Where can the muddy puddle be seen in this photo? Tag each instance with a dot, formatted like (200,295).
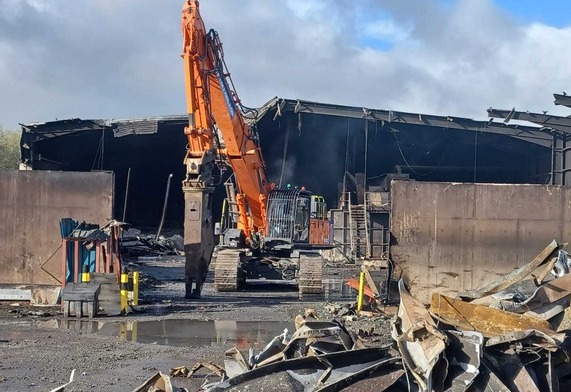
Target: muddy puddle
(183,333)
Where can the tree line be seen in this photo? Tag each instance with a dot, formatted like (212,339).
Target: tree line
(9,149)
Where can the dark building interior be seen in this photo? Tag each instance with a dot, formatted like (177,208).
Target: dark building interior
(324,147)
(303,144)
(94,145)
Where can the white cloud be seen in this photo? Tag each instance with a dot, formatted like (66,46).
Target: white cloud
(309,9)
(387,30)
(65,58)
(539,59)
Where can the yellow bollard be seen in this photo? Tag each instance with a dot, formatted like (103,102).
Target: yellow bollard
(124,290)
(85,274)
(135,288)
(361,291)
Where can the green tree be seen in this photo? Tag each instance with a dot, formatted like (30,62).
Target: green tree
(9,149)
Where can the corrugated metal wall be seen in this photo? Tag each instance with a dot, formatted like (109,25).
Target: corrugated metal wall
(31,205)
(452,237)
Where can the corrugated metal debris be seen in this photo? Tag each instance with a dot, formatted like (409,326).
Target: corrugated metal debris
(456,345)
(418,339)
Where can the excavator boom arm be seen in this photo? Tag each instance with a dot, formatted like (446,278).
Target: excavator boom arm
(212,105)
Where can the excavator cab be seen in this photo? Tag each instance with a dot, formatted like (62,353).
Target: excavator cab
(295,218)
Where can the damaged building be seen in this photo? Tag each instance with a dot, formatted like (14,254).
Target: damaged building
(420,193)
(153,148)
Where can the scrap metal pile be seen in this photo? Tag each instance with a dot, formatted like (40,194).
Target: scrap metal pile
(511,335)
(318,356)
(135,245)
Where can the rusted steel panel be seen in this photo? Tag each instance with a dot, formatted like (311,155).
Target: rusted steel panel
(454,237)
(31,205)
(489,322)
(488,381)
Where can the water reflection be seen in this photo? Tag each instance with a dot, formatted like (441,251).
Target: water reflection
(184,332)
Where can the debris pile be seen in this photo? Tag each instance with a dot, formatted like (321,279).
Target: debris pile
(19,312)
(507,336)
(511,335)
(371,324)
(319,355)
(134,244)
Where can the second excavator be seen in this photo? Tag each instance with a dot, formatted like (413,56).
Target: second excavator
(265,231)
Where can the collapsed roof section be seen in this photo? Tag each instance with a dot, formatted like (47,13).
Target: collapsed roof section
(394,119)
(34,132)
(562,99)
(323,141)
(304,143)
(557,126)
(150,148)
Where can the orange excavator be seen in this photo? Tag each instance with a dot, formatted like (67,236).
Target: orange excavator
(264,231)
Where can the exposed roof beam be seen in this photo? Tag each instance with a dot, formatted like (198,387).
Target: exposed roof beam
(527,133)
(562,99)
(562,124)
(121,127)
(64,126)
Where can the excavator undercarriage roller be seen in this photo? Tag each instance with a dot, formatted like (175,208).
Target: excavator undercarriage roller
(310,275)
(228,274)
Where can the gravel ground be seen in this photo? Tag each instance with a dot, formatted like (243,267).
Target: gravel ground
(38,349)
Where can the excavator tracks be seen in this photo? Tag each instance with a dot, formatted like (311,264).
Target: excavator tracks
(227,270)
(310,275)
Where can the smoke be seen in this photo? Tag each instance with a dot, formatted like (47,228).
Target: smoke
(283,172)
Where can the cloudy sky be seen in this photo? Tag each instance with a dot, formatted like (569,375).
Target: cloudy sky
(116,59)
